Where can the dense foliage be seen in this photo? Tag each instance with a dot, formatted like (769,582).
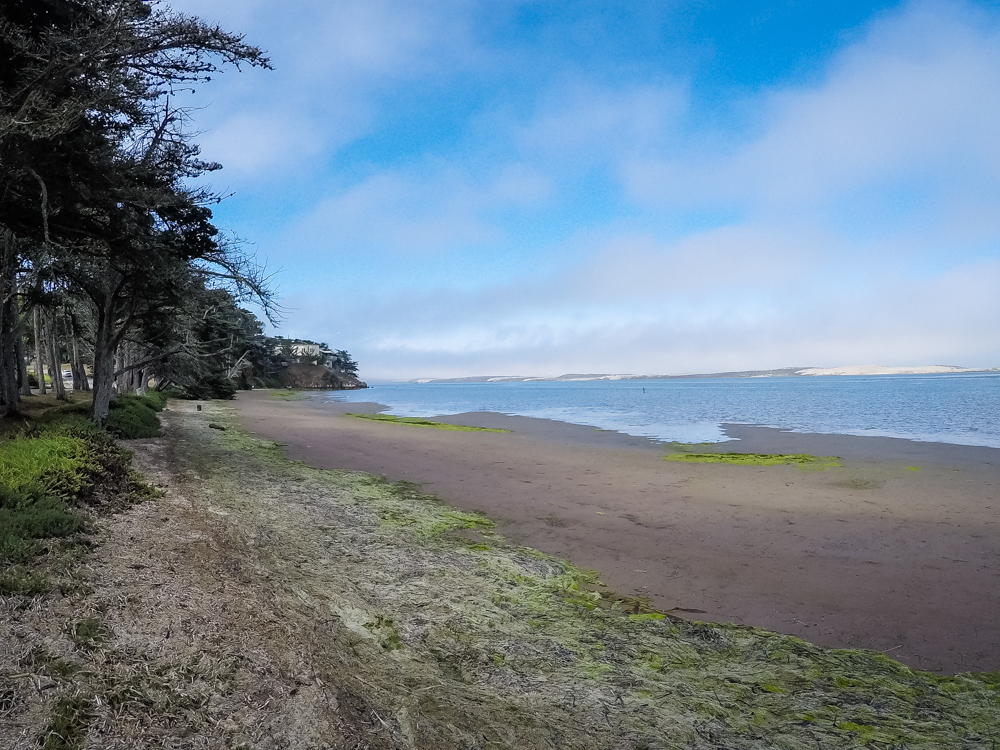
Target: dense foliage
(103,227)
(109,257)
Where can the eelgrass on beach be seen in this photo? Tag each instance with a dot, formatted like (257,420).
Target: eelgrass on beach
(457,637)
(420,422)
(802,460)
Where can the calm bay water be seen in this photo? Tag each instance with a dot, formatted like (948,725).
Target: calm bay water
(962,409)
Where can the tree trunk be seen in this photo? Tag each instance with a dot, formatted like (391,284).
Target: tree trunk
(12,392)
(9,325)
(57,380)
(79,376)
(85,383)
(127,361)
(104,367)
(22,365)
(9,390)
(116,366)
(122,361)
(39,369)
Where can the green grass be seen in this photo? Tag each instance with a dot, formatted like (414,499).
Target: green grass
(18,580)
(802,460)
(67,730)
(37,476)
(46,464)
(418,422)
(88,633)
(58,461)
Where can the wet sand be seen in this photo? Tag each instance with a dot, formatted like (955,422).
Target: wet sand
(873,554)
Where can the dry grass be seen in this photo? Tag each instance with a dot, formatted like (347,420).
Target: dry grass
(264,604)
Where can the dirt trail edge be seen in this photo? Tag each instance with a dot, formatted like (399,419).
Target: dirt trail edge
(264,604)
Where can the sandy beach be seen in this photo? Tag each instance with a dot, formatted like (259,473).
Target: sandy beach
(897,550)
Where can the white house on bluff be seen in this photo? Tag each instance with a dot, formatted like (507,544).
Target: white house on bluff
(306,350)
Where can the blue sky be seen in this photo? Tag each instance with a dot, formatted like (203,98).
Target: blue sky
(456,188)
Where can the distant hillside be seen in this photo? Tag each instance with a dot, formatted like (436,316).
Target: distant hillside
(783,372)
(527,378)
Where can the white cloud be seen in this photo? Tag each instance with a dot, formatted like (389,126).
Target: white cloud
(336,66)
(399,212)
(520,185)
(866,205)
(383,38)
(250,143)
(573,322)
(717,262)
(583,122)
(917,99)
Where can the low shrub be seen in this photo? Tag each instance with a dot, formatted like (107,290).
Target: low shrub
(20,581)
(63,462)
(57,463)
(155,400)
(131,417)
(37,477)
(26,517)
(210,387)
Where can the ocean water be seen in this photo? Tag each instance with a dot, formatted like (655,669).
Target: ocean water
(963,409)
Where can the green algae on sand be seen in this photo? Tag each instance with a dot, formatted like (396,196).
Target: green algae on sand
(492,645)
(289,395)
(419,422)
(802,460)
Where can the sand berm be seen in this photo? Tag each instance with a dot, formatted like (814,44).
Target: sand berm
(264,604)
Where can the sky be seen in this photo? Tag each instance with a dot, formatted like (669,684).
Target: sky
(504,187)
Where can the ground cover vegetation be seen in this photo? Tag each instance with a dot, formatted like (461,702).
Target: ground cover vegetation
(802,460)
(343,610)
(420,422)
(56,471)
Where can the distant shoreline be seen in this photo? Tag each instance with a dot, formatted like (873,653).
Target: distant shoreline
(784,372)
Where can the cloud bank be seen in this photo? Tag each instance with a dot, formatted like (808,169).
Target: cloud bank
(450,196)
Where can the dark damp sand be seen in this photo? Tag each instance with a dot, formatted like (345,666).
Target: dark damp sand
(871,555)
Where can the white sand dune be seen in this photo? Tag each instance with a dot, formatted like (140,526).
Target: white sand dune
(883,370)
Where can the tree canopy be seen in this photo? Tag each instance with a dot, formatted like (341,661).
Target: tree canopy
(100,209)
